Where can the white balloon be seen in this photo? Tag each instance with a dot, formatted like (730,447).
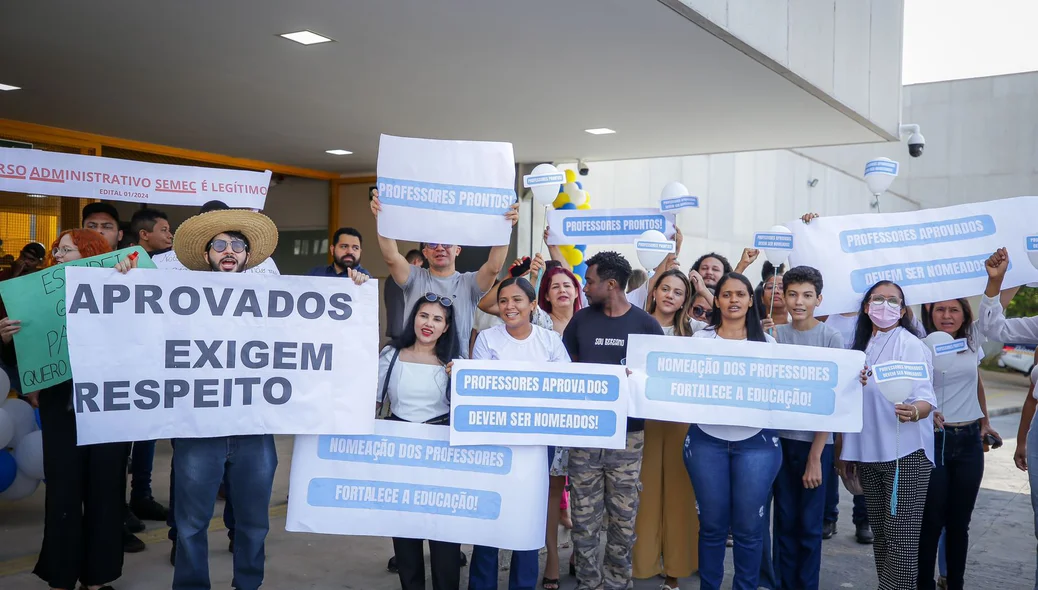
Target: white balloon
(571,189)
(545,194)
(28,454)
(22,487)
(896,390)
(652,247)
(674,190)
(22,416)
(6,429)
(943,362)
(880,174)
(777,257)
(578,199)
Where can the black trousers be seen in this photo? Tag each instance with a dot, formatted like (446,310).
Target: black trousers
(85,503)
(445,561)
(954,485)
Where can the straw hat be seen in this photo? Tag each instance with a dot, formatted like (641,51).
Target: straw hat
(192,237)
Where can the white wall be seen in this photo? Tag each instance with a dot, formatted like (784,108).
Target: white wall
(740,194)
(848,49)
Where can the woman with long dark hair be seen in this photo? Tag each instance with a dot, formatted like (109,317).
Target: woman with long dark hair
(959,429)
(413,380)
(893,454)
(518,339)
(732,468)
(667,527)
(86,485)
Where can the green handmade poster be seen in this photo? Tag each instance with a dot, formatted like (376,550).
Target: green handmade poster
(38,301)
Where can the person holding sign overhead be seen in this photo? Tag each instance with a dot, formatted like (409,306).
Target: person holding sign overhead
(667,526)
(960,427)
(732,468)
(518,339)
(442,277)
(413,381)
(893,453)
(83,525)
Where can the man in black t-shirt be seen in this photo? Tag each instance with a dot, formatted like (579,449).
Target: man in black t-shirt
(598,334)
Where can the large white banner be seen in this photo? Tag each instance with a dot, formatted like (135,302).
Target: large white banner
(407,481)
(605,226)
(740,383)
(444,191)
(74,175)
(169,261)
(933,254)
(203,354)
(523,403)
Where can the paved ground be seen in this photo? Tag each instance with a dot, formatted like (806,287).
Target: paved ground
(1002,542)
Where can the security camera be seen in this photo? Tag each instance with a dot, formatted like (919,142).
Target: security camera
(582,167)
(916,141)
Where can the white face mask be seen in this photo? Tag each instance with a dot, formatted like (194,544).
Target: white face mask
(884,315)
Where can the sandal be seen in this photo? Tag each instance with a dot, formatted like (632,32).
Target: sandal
(550,584)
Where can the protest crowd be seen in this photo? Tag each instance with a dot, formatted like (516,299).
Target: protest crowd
(669,496)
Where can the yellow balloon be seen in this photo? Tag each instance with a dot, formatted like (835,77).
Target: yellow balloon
(560,200)
(565,249)
(571,176)
(584,207)
(574,257)
(587,198)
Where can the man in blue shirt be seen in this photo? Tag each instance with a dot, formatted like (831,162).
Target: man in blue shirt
(346,248)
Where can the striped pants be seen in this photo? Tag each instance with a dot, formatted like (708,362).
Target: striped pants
(896,548)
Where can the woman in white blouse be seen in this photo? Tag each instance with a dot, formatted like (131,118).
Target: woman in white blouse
(895,446)
(732,468)
(959,454)
(413,380)
(518,339)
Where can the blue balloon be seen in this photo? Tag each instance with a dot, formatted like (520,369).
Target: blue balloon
(568,206)
(8,469)
(39,424)
(580,185)
(581,247)
(580,269)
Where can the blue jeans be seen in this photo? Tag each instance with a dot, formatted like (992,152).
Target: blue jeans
(522,574)
(1032,476)
(200,463)
(767,578)
(142,458)
(799,514)
(171,521)
(732,480)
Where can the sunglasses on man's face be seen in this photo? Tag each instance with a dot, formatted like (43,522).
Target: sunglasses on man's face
(237,246)
(432,246)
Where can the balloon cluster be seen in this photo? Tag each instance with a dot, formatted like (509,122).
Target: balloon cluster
(21,447)
(573,196)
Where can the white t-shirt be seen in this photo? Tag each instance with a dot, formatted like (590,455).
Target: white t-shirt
(845,326)
(638,297)
(956,387)
(729,433)
(416,392)
(540,346)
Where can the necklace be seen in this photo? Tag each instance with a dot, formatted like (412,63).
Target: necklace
(872,344)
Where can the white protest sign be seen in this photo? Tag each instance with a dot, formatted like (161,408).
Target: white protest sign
(74,175)
(605,226)
(407,481)
(441,191)
(205,354)
(525,403)
(741,383)
(954,347)
(675,196)
(933,254)
(169,261)
(1031,246)
(895,378)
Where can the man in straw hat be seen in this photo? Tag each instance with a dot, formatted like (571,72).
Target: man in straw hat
(224,240)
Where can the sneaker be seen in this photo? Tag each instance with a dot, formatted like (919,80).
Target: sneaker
(828,530)
(863,534)
(391,566)
(131,544)
(132,523)
(148,509)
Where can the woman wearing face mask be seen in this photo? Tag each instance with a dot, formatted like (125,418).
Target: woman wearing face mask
(667,527)
(558,297)
(412,379)
(518,339)
(732,468)
(959,429)
(86,485)
(893,454)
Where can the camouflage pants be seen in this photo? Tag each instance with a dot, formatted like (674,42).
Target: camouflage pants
(605,482)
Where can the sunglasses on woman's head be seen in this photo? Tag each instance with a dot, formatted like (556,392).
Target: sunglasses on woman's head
(698,311)
(433,298)
(237,246)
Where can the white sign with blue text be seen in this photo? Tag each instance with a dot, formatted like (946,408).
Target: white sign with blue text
(605,226)
(523,403)
(677,203)
(443,191)
(741,383)
(406,480)
(933,254)
(772,241)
